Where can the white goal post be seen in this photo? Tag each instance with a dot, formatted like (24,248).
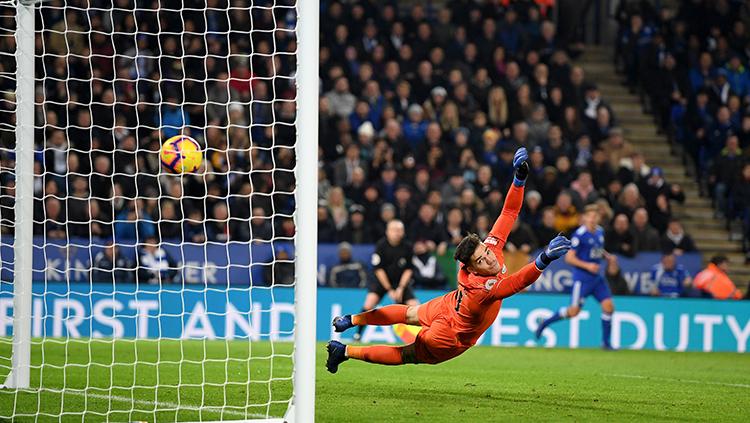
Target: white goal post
(216,331)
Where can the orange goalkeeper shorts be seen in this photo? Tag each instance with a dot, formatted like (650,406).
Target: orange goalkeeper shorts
(437,341)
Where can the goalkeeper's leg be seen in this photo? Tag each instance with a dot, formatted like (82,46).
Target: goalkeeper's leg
(378,354)
(383,316)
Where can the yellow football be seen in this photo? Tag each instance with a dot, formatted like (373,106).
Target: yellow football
(181,154)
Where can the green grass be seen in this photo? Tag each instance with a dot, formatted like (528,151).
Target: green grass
(484,384)
(195,380)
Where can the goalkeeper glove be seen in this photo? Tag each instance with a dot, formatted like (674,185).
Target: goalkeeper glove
(557,248)
(520,163)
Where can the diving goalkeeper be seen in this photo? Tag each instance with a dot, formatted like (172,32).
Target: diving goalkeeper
(453,323)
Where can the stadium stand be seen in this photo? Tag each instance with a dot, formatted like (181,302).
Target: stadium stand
(689,64)
(426,119)
(420,112)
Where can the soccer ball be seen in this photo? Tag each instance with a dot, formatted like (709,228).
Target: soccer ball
(181,154)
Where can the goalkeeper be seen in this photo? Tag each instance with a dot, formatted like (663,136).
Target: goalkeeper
(453,323)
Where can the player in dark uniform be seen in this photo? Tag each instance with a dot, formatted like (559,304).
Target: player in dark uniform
(393,270)
(586,257)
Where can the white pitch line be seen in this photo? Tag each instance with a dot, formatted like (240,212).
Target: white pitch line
(155,404)
(667,379)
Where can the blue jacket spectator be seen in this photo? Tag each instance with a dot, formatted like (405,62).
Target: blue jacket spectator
(702,75)
(155,265)
(414,127)
(738,77)
(172,118)
(348,273)
(131,226)
(670,279)
(111,267)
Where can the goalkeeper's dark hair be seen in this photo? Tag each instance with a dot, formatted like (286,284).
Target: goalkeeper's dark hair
(466,248)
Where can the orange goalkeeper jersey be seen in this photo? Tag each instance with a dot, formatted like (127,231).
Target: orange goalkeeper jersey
(475,304)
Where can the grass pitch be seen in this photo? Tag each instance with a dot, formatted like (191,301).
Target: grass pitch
(484,384)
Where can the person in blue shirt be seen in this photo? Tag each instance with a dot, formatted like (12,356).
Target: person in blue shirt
(586,256)
(670,279)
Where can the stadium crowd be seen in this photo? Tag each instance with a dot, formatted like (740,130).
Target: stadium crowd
(109,99)
(421,110)
(691,64)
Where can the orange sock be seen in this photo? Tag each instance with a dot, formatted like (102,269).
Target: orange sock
(380,354)
(388,315)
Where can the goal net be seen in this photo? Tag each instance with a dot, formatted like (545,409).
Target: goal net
(129,293)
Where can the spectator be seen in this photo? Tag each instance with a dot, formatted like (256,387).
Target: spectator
(453,189)
(566,215)
(260,225)
(701,75)
(591,102)
(616,148)
(169,222)
(538,125)
(714,281)
(427,271)
(482,226)
(521,238)
(656,185)
(172,117)
(337,208)
(629,200)
(218,96)
(617,283)
(675,239)
(340,100)
(583,152)
(154,264)
(426,229)
(414,127)
(583,190)
(645,237)
(348,273)
(54,220)
(724,173)
(455,226)
(406,209)
(602,126)
(670,279)
(547,231)
(740,207)
(343,168)
(531,214)
(497,105)
(555,147)
(219,228)
(619,239)
(326,227)
(605,212)
(110,266)
(357,230)
(280,271)
(601,171)
(634,170)
(193,229)
(661,215)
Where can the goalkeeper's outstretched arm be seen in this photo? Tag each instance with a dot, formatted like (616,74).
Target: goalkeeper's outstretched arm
(513,200)
(528,274)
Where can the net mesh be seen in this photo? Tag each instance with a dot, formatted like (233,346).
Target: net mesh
(156,296)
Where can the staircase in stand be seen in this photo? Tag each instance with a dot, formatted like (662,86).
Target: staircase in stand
(697,214)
